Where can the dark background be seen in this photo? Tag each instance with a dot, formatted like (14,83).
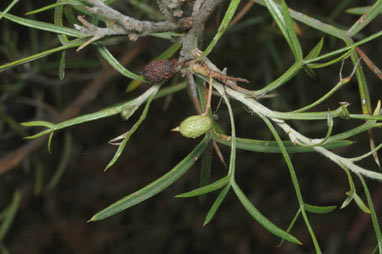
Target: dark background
(54,221)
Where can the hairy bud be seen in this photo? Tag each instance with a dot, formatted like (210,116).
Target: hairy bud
(160,70)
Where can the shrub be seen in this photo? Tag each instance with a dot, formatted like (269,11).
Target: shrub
(184,23)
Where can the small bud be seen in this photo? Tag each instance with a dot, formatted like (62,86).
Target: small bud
(160,70)
(194,126)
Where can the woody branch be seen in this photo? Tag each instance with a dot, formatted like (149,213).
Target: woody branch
(121,24)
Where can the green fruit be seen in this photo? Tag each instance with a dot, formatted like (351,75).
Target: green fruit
(194,126)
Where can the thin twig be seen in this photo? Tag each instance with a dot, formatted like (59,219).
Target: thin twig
(369,62)
(242,13)
(194,94)
(199,16)
(209,95)
(133,25)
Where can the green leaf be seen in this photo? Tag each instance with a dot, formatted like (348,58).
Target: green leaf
(345,49)
(351,192)
(316,50)
(361,204)
(105,53)
(324,97)
(10,214)
(291,31)
(206,189)
(9,7)
(50,142)
(312,54)
(38,123)
(155,187)
(121,147)
(168,53)
(231,169)
(222,27)
(286,76)
(261,219)
(373,214)
(293,175)
(367,154)
(215,206)
(358,10)
(28,59)
(291,225)
(347,201)
(58,21)
(285,23)
(205,170)
(64,161)
(363,21)
(319,209)
(171,89)
(61,67)
(44,26)
(331,62)
(309,71)
(314,23)
(51,6)
(107,112)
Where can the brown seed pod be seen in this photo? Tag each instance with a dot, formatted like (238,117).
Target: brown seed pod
(160,70)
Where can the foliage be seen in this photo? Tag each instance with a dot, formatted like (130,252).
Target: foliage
(285,140)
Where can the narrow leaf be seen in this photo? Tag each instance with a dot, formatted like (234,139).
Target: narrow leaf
(38,123)
(215,206)
(39,55)
(223,26)
(285,24)
(105,53)
(331,62)
(291,225)
(358,10)
(107,112)
(64,160)
(168,53)
(309,71)
(261,219)
(316,50)
(291,31)
(10,215)
(293,175)
(205,170)
(44,26)
(9,7)
(361,204)
(205,189)
(319,209)
(347,201)
(373,214)
(155,187)
(51,6)
(132,130)
(50,142)
(61,67)
(59,21)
